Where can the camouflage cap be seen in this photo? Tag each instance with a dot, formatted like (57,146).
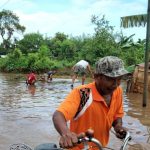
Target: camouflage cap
(110,66)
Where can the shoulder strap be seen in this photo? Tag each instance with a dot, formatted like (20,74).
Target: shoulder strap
(86,100)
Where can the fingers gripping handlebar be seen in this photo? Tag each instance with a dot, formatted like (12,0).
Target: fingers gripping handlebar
(84,141)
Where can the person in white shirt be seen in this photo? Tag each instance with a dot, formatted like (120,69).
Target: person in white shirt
(81,68)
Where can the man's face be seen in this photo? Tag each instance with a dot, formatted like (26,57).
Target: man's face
(106,85)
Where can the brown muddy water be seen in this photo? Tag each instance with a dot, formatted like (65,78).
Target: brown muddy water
(26,113)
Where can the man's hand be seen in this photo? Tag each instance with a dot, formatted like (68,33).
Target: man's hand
(70,139)
(120,131)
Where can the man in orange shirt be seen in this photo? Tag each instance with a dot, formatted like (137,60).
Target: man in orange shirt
(97,106)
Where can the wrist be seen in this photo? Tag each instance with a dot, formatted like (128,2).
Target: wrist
(117,123)
(65,131)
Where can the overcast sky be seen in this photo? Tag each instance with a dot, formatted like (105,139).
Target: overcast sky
(73,17)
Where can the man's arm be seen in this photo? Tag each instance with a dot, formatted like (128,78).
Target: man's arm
(68,139)
(60,123)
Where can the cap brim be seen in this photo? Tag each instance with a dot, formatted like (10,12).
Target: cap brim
(117,74)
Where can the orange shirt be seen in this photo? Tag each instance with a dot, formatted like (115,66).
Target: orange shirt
(97,116)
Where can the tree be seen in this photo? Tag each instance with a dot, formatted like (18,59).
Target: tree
(60,36)
(103,41)
(9,23)
(31,43)
(56,43)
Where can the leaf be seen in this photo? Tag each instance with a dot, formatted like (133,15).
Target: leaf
(134,21)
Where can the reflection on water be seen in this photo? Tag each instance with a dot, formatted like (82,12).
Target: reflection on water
(25,112)
(137,111)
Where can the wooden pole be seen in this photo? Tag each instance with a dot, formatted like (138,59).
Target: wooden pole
(145,90)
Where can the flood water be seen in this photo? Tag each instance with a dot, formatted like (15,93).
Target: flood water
(26,113)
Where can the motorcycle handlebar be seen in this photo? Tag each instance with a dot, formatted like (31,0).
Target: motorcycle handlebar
(85,140)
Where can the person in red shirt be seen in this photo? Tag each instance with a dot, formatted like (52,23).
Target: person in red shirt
(31,78)
(97,106)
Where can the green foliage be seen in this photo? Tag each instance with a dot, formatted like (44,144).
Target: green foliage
(133,56)
(32,59)
(55,48)
(43,63)
(43,51)
(131,68)
(60,53)
(56,65)
(30,43)
(17,53)
(67,50)
(62,48)
(2,64)
(60,37)
(22,64)
(14,61)
(102,43)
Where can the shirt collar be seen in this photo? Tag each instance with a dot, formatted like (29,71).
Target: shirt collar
(95,94)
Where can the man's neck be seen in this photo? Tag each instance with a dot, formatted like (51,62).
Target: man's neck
(107,99)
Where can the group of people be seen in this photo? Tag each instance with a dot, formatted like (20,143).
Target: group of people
(92,108)
(31,77)
(81,68)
